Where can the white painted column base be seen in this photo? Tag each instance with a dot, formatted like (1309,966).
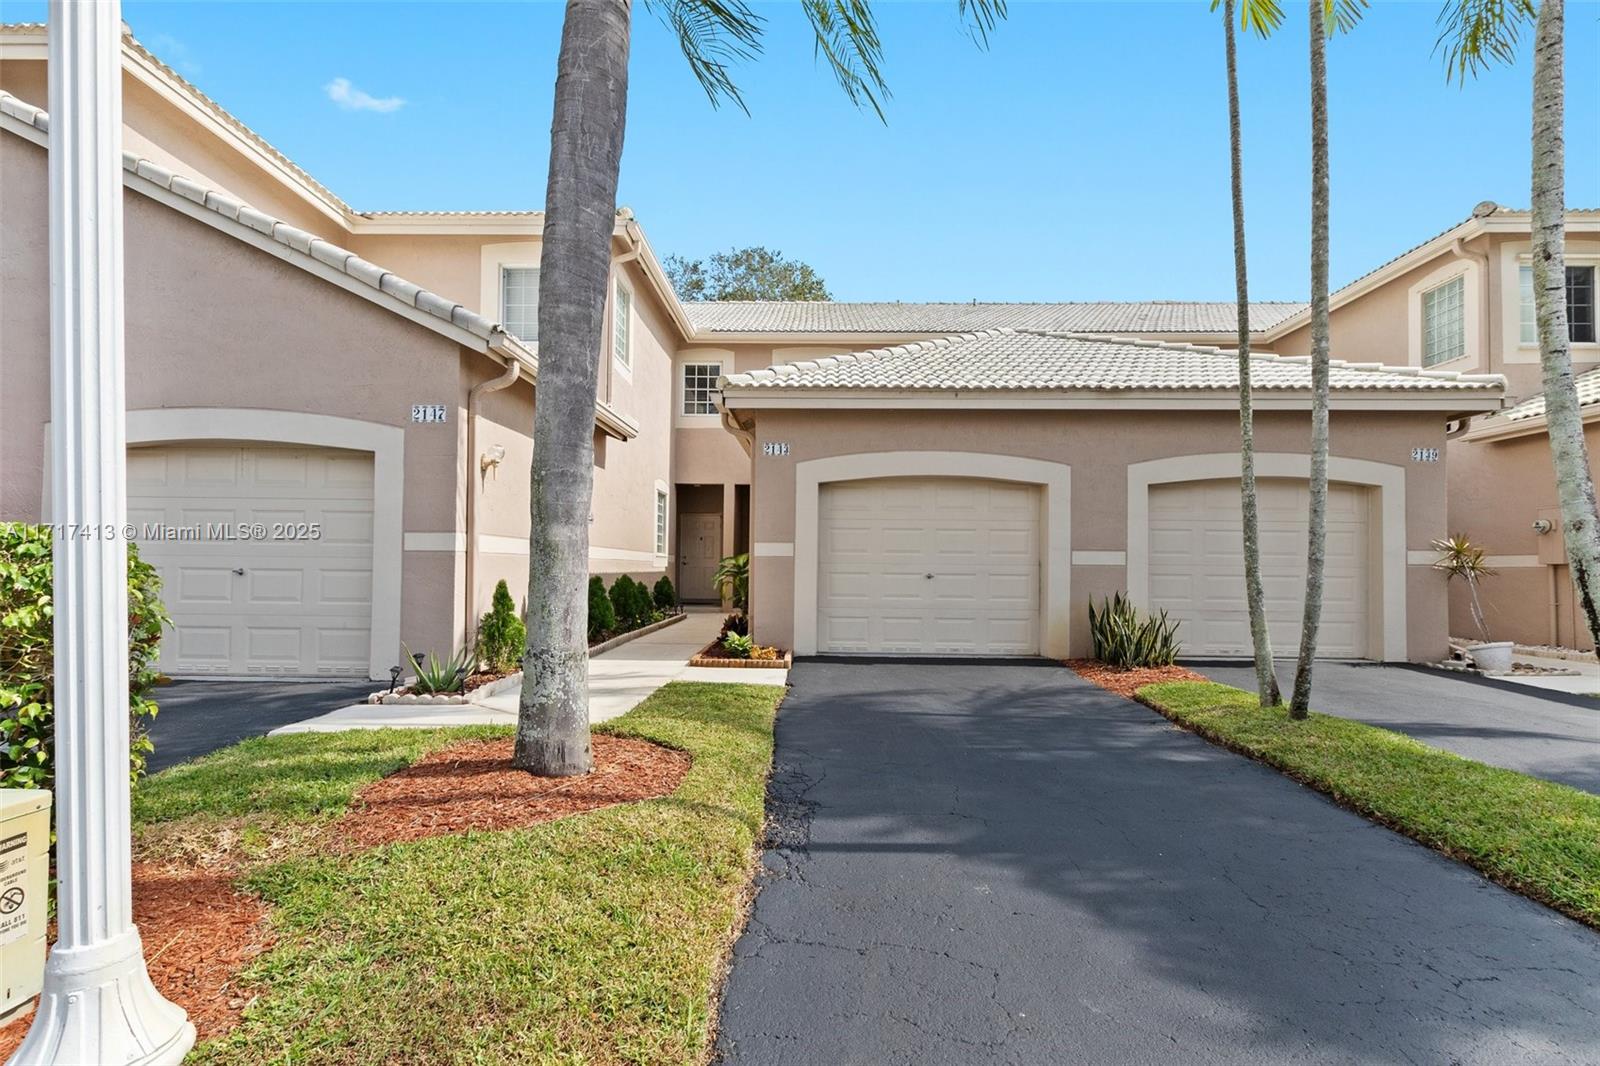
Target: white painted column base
(100,1006)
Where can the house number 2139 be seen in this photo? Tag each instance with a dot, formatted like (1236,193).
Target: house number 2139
(775,447)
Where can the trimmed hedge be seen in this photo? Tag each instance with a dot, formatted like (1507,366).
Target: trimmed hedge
(27,651)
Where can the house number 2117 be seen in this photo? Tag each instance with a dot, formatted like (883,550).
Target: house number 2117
(775,447)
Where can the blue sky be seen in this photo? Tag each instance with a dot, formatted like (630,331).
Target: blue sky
(1083,156)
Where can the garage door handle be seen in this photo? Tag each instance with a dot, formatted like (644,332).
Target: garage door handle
(239,570)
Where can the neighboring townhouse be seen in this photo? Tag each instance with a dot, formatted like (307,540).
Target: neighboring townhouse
(296,359)
(1463,300)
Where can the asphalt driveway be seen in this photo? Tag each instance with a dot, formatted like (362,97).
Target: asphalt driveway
(1000,863)
(197,717)
(1551,735)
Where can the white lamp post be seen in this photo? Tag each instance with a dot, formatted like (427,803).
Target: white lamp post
(98,1004)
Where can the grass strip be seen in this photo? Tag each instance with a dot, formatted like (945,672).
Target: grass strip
(1533,836)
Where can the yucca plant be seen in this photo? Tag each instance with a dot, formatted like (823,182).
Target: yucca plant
(438,677)
(1459,557)
(1124,639)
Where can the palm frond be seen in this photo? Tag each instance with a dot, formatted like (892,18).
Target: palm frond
(847,37)
(714,35)
(1341,16)
(1260,17)
(1476,33)
(981,17)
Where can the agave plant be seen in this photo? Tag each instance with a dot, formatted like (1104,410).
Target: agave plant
(1124,639)
(1459,557)
(436,676)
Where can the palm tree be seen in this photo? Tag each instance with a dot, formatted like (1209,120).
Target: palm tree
(1327,17)
(1477,33)
(1262,16)
(580,214)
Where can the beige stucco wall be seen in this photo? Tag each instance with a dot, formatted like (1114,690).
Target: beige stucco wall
(213,322)
(1099,446)
(1498,489)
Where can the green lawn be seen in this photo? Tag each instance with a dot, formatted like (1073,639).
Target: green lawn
(1537,837)
(596,938)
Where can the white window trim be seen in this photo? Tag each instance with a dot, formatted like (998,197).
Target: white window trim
(491,258)
(1513,257)
(624,366)
(501,294)
(663,492)
(1471,286)
(722,356)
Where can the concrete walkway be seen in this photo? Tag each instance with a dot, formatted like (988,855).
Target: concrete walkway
(1001,864)
(619,680)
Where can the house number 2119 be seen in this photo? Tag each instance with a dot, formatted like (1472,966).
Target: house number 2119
(775,447)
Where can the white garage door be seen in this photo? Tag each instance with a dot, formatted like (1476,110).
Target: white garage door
(296,602)
(928,566)
(1197,566)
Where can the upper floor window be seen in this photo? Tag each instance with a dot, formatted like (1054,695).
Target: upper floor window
(622,326)
(1580,306)
(519,301)
(699,388)
(1444,334)
(661,521)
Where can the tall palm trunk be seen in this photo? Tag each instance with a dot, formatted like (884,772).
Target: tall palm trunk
(580,213)
(1316,540)
(1261,640)
(1580,527)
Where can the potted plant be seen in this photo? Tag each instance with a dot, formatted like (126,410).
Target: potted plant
(1459,557)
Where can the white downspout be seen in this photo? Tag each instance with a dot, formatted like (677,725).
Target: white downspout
(1458,249)
(474,487)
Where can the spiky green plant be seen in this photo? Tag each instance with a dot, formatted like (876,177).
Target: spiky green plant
(1125,639)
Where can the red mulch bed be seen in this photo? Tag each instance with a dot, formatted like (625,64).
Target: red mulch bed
(471,786)
(1127,682)
(199,931)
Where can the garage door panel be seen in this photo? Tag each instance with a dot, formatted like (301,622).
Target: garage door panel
(277,607)
(978,539)
(1204,589)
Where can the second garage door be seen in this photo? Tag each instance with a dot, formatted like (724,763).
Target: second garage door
(1197,566)
(928,566)
(296,602)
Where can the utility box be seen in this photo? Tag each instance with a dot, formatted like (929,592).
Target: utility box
(24,895)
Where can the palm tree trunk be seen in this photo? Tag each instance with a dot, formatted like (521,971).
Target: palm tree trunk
(1261,640)
(580,214)
(1316,541)
(1574,486)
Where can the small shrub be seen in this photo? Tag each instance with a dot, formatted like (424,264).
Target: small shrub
(640,605)
(626,596)
(602,616)
(735,623)
(27,648)
(502,635)
(665,596)
(1124,639)
(739,646)
(439,677)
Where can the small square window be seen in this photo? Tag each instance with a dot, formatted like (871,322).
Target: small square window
(1444,335)
(519,301)
(622,327)
(700,388)
(661,522)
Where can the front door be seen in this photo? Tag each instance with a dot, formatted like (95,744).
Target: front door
(699,551)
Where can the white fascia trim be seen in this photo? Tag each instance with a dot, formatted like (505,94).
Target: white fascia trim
(1388,479)
(476,223)
(386,444)
(1451,401)
(1055,479)
(1492,430)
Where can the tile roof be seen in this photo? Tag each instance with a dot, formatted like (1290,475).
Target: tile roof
(1007,359)
(803,316)
(325,252)
(1588,384)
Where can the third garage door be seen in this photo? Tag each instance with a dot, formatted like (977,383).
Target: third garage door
(1197,566)
(928,566)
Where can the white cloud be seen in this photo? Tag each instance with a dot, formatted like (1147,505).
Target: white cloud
(174,52)
(348,97)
